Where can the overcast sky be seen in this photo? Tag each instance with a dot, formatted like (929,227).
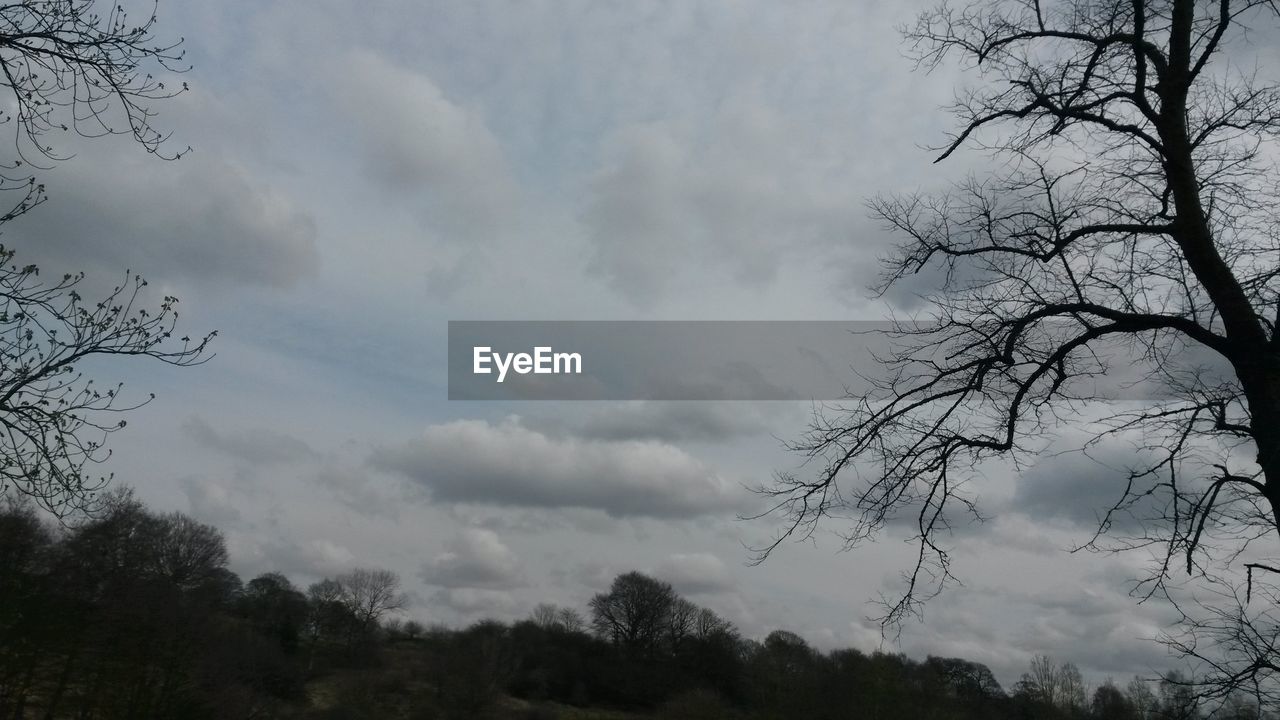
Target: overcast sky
(364,172)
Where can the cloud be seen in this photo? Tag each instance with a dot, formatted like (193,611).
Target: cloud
(477,601)
(211,501)
(695,573)
(512,465)
(594,576)
(708,422)
(475,558)
(738,198)
(1096,626)
(203,219)
(417,141)
(260,447)
(1079,488)
(317,557)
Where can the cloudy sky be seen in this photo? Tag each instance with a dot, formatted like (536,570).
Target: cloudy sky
(363,173)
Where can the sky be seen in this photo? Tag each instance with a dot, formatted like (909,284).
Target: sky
(362,173)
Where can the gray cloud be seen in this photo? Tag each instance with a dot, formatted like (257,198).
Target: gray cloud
(510,464)
(475,558)
(203,219)
(421,143)
(1096,626)
(210,501)
(593,576)
(317,557)
(261,447)
(477,602)
(739,202)
(695,573)
(1079,488)
(708,422)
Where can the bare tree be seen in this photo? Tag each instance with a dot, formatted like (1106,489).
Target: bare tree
(1135,213)
(1178,698)
(370,593)
(1110,703)
(550,616)
(1140,698)
(1060,686)
(570,620)
(78,66)
(82,66)
(186,552)
(708,624)
(682,622)
(970,680)
(545,616)
(1130,225)
(327,616)
(1235,637)
(54,420)
(635,612)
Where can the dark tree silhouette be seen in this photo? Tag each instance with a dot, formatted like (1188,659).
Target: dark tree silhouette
(370,593)
(1131,226)
(54,419)
(82,66)
(86,67)
(635,613)
(96,623)
(1110,703)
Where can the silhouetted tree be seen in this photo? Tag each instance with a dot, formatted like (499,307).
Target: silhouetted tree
(635,612)
(86,66)
(545,615)
(1058,261)
(368,594)
(1053,685)
(82,66)
(130,614)
(1141,699)
(1132,227)
(277,609)
(1178,698)
(570,620)
(966,679)
(1110,703)
(57,419)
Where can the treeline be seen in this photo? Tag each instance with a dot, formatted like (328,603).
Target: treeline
(133,614)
